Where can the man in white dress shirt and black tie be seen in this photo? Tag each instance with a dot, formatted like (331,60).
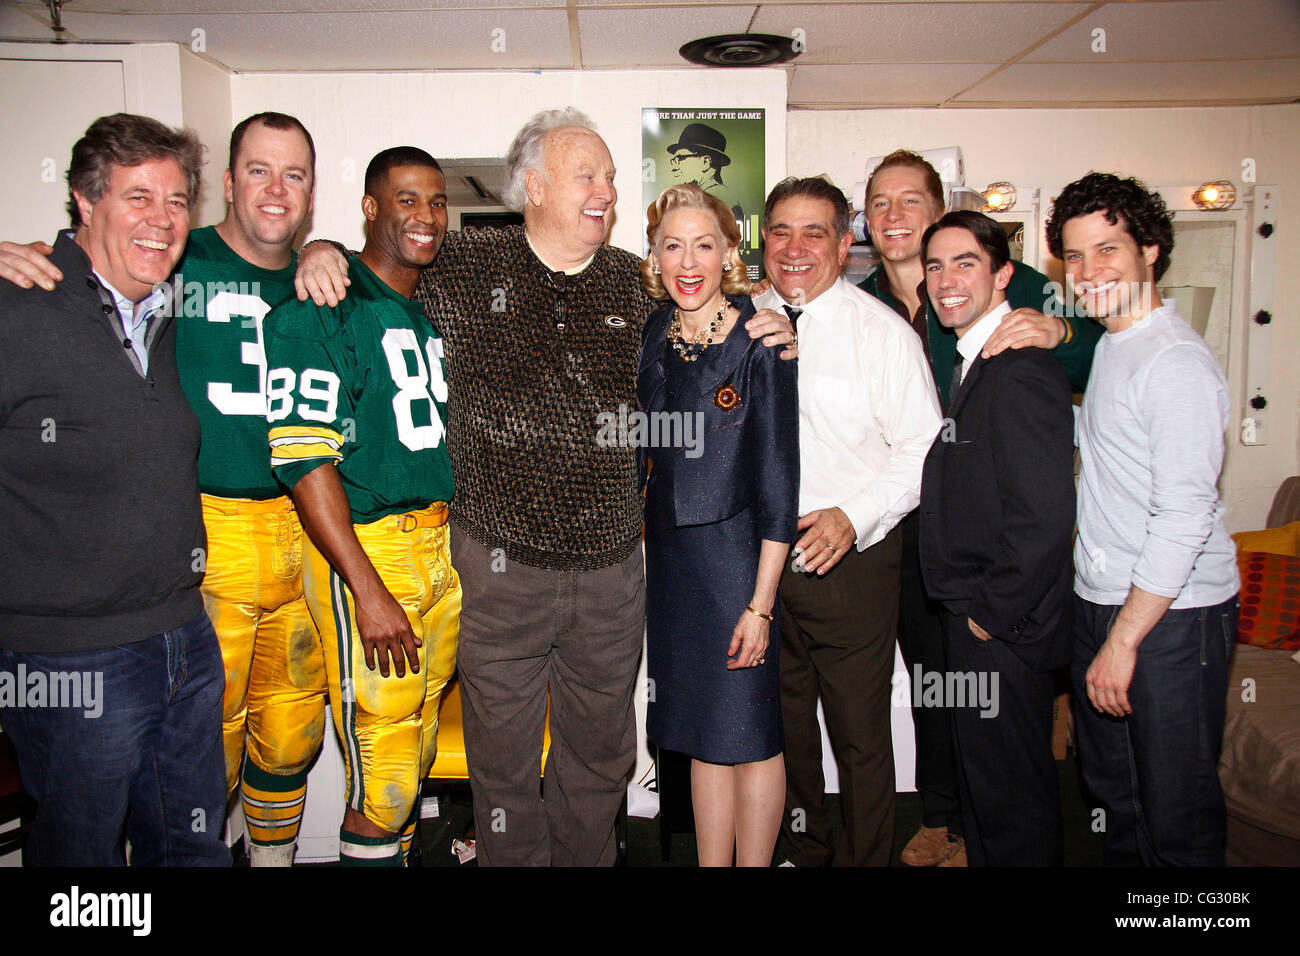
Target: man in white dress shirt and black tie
(867,417)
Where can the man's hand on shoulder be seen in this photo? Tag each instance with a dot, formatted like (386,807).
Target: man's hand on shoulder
(774,329)
(28,265)
(322,274)
(1026,328)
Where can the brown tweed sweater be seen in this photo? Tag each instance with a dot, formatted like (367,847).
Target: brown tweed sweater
(532,358)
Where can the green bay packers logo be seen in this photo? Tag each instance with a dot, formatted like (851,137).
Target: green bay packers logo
(615,321)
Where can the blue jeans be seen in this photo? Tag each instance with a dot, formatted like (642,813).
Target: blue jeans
(130,743)
(1156,771)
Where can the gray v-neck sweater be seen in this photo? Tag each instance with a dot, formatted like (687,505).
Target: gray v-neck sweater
(101,534)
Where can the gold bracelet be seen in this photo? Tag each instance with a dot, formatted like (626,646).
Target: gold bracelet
(1069,330)
(751,610)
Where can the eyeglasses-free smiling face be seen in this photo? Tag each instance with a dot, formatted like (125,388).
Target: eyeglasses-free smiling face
(408,217)
(690,252)
(1111,275)
(269,187)
(574,194)
(959,280)
(135,233)
(899,210)
(801,252)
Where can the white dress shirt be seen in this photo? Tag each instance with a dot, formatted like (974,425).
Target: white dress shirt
(867,409)
(972,343)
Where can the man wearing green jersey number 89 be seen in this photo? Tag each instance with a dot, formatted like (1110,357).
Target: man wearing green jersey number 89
(225,284)
(356,405)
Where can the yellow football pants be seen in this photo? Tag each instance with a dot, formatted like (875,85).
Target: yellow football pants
(275,676)
(388,726)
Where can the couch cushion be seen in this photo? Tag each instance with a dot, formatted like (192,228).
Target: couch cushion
(1284,540)
(1270,600)
(1260,762)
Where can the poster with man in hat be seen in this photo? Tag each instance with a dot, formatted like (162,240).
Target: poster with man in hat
(721,151)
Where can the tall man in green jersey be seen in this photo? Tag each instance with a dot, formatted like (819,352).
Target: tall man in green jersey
(356,404)
(275,679)
(225,284)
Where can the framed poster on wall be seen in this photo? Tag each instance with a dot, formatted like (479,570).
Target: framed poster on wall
(720,150)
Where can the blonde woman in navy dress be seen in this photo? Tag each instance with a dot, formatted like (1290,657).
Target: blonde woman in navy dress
(720,515)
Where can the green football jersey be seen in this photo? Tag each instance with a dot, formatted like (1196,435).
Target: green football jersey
(361,385)
(220,303)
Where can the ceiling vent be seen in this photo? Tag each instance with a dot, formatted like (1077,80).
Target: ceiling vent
(740,49)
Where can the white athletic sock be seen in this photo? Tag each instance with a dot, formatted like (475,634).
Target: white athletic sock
(282,855)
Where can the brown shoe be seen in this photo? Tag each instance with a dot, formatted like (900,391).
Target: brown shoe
(958,857)
(928,847)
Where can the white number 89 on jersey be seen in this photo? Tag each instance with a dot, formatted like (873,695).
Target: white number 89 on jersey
(313,395)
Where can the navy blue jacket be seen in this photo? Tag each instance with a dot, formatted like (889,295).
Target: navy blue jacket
(749,397)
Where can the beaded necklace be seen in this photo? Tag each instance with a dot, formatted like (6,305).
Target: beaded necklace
(690,351)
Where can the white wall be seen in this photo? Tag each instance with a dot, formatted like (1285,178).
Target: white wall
(78,83)
(353,116)
(205,102)
(1050,148)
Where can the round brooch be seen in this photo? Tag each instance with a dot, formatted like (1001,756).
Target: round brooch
(727,398)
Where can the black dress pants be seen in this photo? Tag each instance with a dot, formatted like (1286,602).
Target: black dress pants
(920,636)
(1002,735)
(837,634)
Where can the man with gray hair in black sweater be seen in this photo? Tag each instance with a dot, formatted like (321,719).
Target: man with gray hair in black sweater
(110,675)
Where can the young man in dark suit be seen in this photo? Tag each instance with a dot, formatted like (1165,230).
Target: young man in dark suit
(905,196)
(997,515)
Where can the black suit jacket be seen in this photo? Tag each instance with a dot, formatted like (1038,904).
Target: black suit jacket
(750,448)
(997,504)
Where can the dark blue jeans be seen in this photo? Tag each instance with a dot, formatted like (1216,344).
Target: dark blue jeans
(1156,771)
(129,744)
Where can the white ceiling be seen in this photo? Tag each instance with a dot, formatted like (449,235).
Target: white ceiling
(884,53)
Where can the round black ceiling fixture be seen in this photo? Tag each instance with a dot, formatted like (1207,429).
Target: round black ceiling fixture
(740,49)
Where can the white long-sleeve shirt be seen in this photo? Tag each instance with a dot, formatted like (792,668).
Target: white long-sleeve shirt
(1151,438)
(867,409)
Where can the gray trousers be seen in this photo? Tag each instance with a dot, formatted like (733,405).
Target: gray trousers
(522,630)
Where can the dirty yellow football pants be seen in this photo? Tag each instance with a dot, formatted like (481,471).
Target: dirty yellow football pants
(275,675)
(388,726)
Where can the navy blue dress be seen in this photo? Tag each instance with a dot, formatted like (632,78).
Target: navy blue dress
(726,482)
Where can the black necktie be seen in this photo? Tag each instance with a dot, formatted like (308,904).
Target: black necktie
(793,312)
(955,384)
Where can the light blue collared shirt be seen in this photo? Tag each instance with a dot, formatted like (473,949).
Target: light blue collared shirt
(136,318)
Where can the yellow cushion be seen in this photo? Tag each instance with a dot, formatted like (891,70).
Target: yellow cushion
(1283,540)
